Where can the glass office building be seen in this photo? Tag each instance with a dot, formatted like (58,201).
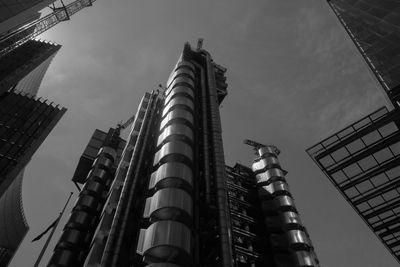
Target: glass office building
(374,27)
(363,162)
(25,122)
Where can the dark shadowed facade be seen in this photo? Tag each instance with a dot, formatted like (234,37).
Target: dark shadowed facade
(25,122)
(170,200)
(24,67)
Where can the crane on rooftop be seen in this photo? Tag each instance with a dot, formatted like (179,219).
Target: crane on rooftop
(31,30)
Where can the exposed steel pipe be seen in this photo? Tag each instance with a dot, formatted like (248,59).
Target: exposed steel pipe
(206,160)
(121,203)
(219,167)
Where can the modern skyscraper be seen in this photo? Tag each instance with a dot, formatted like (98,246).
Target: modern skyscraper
(374,27)
(25,122)
(170,200)
(24,67)
(363,163)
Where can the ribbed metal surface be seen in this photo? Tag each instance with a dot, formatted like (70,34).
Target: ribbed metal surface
(182,131)
(274,188)
(168,239)
(170,204)
(105,231)
(182,101)
(264,177)
(181,72)
(280,213)
(174,148)
(183,81)
(172,174)
(178,114)
(73,245)
(264,163)
(179,90)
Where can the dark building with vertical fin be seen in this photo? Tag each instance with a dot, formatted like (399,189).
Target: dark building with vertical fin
(168,199)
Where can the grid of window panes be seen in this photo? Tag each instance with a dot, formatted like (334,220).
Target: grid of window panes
(363,161)
(374,26)
(24,121)
(248,245)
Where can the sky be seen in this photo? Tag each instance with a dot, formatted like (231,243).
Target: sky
(294,78)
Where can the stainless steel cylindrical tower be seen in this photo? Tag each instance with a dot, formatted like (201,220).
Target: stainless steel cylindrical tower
(72,247)
(288,236)
(168,240)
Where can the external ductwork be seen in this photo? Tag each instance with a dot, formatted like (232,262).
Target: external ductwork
(169,238)
(281,216)
(73,245)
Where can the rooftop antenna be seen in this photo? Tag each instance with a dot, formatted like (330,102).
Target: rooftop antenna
(257,145)
(200,43)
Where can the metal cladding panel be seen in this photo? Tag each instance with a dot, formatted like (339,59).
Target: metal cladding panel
(181,80)
(180,65)
(283,220)
(273,188)
(172,174)
(264,163)
(279,203)
(270,173)
(174,148)
(93,148)
(170,204)
(180,114)
(304,258)
(181,72)
(294,239)
(166,241)
(185,101)
(362,161)
(176,129)
(374,27)
(179,90)
(185,64)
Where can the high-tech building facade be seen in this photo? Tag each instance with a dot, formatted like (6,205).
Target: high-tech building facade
(374,27)
(171,201)
(266,226)
(363,163)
